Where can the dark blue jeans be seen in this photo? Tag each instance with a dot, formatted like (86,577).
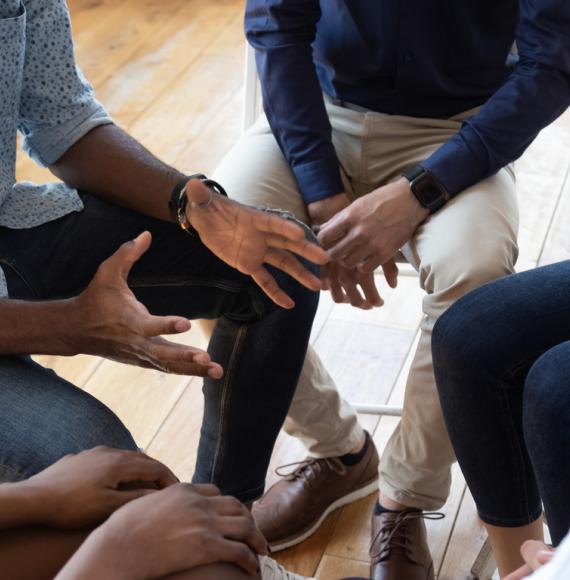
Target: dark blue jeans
(502,366)
(261,347)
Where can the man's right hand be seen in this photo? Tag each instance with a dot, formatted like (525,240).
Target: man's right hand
(348,285)
(107,320)
(177,529)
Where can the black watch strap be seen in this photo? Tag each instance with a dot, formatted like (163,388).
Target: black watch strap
(426,188)
(178,200)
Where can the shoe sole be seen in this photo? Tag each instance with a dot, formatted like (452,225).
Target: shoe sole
(360,493)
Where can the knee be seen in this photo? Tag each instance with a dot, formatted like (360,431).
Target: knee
(547,393)
(458,267)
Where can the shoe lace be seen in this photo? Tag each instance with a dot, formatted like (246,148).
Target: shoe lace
(394,535)
(309,469)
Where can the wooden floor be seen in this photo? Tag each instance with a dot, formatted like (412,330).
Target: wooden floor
(170,71)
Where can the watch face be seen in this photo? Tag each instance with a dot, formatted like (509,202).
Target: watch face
(428,192)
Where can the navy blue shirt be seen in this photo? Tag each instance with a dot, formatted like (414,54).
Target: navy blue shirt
(423,58)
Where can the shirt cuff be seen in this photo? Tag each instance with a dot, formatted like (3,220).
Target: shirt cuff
(47,147)
(319,179)
(459,164)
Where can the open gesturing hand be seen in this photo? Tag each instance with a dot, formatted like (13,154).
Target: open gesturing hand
(107,320)
(247,238)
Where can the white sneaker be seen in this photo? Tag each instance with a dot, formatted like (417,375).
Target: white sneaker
(271,570)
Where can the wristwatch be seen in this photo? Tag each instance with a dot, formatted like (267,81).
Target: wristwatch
(425,186)
(178,200)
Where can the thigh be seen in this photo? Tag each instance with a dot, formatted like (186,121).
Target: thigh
(177,275)
(470,241)
(45,417)
(255,172)
(509,324)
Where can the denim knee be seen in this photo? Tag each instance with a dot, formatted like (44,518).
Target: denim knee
(547,395)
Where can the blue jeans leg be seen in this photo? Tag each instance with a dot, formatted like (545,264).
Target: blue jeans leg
(45,417)
(546,421)
(483,349)
(262,347)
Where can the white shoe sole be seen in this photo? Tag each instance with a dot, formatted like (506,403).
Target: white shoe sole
(368,489)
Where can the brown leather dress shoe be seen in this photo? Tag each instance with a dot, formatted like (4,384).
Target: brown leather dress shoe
(399,549)
(295,507)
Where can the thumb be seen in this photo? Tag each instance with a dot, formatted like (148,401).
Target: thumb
(124,258)
(198,193)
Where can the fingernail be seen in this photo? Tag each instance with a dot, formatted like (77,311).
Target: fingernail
(202,359)
(215,373)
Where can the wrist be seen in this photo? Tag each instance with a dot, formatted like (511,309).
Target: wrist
(323,210)
(102,555)
(24,505)
(417,212)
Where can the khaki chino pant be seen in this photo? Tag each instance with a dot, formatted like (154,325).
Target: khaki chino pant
(469,242)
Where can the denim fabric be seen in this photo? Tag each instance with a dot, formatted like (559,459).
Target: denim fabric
(261,346)
(502,366)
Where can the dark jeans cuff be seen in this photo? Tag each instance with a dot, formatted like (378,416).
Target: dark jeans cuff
(512,522)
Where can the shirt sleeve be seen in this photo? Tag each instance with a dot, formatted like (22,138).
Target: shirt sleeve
(282,31)
(57,105)
(537,91)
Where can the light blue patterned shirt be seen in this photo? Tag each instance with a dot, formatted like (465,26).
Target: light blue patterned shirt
(45,97)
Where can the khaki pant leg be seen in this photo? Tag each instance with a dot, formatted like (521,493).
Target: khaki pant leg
(255,172)
(471,241)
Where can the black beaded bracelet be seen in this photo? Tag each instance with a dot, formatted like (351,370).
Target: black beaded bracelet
(179,201)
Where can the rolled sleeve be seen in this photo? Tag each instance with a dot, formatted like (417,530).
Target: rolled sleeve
(57,104)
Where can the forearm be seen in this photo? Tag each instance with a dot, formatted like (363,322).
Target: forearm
(36,327)
(282,33)
(97,558)
(37,553)
(110,164)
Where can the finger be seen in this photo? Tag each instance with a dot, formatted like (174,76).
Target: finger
(347,246)
(158,325)
(206,489)
(271,223)
(368,285)
(353,259)
(121,262)
(243,530)
(268,284)
(176,358)
(237,553)
(355,297)
(290,265)
(138,455)
(391,271)
(369,265)
(230,506)
(139,467)
(333,231)
(535,553)
(520,573)
(303,248)
(337,292)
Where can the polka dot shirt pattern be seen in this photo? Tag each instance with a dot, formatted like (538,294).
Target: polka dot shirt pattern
(44,96)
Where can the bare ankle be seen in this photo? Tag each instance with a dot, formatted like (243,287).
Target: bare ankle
(390,504)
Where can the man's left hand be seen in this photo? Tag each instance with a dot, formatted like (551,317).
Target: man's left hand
(246,239)
(373,228)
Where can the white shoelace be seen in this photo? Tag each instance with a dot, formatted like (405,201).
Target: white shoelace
(271,570)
